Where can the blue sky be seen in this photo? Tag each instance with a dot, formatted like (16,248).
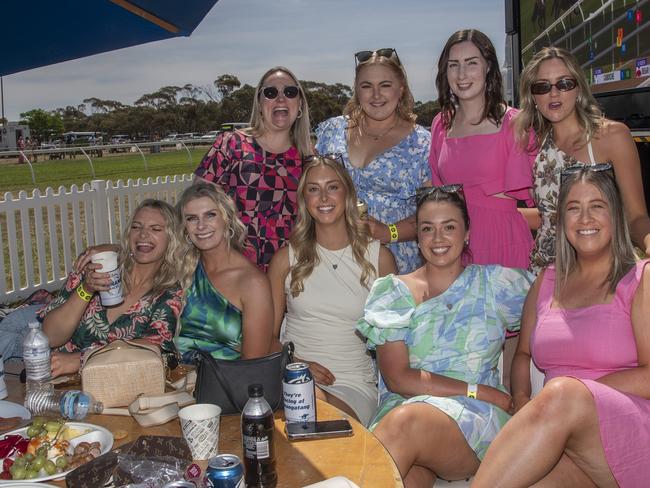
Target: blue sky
(314,38)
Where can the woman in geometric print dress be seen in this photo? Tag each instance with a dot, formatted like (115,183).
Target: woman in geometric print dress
(569,128)
(438,333)
(586,324)
(76,321)
(228,308)
(259,167)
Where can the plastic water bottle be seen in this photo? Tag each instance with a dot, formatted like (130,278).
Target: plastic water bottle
(257,436)
(36,357)
(70,404)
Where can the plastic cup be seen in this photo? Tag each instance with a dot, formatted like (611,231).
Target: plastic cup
(200,426)
(108,260)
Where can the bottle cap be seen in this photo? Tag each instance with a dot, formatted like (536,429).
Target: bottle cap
(255,390)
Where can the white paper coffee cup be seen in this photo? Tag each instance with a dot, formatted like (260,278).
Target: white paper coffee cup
(108,260)
(200,426)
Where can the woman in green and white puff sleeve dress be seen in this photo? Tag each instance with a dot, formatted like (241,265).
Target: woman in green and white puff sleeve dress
(438,333)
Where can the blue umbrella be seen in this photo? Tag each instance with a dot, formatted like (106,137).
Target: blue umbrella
(43,32)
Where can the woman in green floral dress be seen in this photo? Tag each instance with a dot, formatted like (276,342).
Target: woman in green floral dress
(438,333)
(76,321)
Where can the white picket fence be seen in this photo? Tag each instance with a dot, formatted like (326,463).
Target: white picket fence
(42,234)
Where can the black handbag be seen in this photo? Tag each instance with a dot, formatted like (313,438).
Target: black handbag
(225,383)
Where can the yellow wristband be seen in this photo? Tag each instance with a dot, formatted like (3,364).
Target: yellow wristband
(472,390)
(83,294)
(394,235)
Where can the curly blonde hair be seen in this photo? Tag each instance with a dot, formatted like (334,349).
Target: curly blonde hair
(303,236)
(235,231)
(404,110)
(590,116)
(168,275)
(301,128)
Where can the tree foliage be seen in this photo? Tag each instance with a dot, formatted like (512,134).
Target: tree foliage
(188,108)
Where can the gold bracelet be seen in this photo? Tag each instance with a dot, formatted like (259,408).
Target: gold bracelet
(394,235)
(83,294)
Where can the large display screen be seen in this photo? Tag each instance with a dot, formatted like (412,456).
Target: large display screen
(610,38)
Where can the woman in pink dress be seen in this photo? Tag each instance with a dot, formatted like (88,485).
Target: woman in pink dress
(472,142)
(586,323)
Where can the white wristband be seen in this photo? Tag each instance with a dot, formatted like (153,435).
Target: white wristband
(472,390)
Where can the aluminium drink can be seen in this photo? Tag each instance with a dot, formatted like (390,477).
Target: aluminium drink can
(224,471)
(299,393)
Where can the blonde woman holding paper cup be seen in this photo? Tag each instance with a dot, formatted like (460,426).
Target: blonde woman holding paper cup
(102,302)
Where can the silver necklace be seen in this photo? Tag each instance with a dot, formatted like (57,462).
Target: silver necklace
(376,137)
(332,264)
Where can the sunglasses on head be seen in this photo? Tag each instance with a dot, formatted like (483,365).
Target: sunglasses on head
(386,52)
(544,87)
(337,157)
(581,167)
(424,191)
(272,92)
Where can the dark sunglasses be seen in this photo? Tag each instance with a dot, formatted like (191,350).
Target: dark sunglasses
(386,52)
(337,157)
(581,167)
(271,92)
(424,191)
(544,87)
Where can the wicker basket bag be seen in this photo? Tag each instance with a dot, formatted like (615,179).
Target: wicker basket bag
(117,373)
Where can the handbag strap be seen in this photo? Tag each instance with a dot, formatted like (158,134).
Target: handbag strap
(206,358)
(150,411)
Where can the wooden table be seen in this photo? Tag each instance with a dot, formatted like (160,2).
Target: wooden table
(361,458)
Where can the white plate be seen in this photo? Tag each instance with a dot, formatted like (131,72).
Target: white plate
(105,439)
(11,409)
(26,484)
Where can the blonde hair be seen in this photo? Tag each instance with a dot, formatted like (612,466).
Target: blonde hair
(590,117)
(301,128)
(404,108)
(168,274)
(622,250)
(234,233)
(303,236)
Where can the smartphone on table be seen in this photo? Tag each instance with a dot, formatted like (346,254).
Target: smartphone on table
(297,431)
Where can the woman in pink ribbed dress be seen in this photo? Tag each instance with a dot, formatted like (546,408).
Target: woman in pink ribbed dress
(586,323)
(473,143)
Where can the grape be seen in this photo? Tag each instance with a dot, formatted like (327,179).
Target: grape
(20,461)
(42,451)
(50,467)
(33,431)
(31,474)
(38,421)
(61,462)
(18,472)
(28,457)
(38,462)
(53,426)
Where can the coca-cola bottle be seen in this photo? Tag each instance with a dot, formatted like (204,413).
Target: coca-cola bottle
(257,437)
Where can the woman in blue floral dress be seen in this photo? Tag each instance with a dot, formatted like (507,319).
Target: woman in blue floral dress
(384,150)
(438,333)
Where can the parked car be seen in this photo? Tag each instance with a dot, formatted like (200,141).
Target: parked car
(210,136)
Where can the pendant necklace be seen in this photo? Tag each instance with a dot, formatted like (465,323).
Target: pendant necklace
(378,136)
(332,264)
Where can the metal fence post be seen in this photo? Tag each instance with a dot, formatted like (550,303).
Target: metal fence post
(100,206)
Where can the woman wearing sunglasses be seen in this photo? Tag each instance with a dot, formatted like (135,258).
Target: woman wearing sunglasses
(259,167)
(321,280)
(473,143)
(569,128)
(383,149)
(586,323)
(438,333)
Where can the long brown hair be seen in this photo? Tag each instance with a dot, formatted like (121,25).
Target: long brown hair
(405,105)
(495,104)
(622,250)
(590,117)
(303,236)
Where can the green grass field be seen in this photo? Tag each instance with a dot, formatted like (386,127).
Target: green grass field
(54,173)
